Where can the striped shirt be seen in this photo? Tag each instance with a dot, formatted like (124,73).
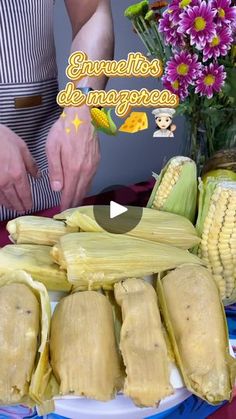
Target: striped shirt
(28,68)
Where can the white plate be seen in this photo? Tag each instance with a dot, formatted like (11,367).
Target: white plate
(121,407)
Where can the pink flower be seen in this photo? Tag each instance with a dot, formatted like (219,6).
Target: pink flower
(197,21)
(178,6)
(183,67)
(176,87)
(220,44)
(225,12)
(211,80)
(169,30)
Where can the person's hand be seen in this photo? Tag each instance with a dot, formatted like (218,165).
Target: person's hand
(73,155)
(15,162)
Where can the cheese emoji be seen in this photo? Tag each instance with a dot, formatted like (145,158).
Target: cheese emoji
(137,121)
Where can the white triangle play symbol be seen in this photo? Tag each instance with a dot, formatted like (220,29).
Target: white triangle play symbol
(116,209)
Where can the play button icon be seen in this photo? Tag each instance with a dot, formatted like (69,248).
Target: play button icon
(116,209)
(114,217)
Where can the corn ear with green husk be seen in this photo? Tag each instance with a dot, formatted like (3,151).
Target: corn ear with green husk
(195,319)
(216,225)
(102,121)
(218,174)
(95,260)
(37,230)
(37,382)
(175,189)
(154,225)
(36,261)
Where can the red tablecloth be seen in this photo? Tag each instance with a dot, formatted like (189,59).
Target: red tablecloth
(134,195)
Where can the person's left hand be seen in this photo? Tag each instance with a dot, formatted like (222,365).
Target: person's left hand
(73,155)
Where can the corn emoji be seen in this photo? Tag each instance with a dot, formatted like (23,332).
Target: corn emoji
(102,121)
(176,188)
(217,226)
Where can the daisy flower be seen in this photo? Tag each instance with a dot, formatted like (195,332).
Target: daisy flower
(220,44)
(225,13)
(177,6)
(211,80)
(183,67)
(169,30)
(176,87)
(197,22)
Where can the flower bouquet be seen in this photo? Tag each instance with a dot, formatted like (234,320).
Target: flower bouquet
(196,41)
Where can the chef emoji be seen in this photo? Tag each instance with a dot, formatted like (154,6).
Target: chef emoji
(163,117)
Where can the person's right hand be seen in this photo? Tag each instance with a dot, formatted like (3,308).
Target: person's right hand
(15,162)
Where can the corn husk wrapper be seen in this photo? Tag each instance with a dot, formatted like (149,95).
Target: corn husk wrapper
(37,261)
(154,225)
(182,199)
(85,364)
(95,260)
(37,230)
(143,343)
(42,369)
(196,323)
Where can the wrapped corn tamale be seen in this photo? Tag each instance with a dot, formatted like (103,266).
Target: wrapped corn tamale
(154,225)
(142,343)
(36,260)
(24,325)
(37,230)
(83,350)
(95,260)
(195,319)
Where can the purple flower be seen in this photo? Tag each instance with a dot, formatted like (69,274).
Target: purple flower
(225,13)
(177,6)
(176,87)
(183,67)
(197,21)
(169,30)
(220,44)
(211,80)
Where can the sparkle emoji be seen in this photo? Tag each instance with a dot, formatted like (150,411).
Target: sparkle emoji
(77,122)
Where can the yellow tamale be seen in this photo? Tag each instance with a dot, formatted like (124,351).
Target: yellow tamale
(83,349)
(142,343)
(196,323)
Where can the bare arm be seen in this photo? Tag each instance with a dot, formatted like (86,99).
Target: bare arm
(92,31)
(73,158)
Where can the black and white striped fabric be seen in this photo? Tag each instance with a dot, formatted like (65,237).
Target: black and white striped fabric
(28,68)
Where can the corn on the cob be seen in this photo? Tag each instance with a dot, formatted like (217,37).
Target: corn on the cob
(176,188)
(83,348)
(35,260)
(94,260)
(102,121)
(195,319)
(37,230)
(216,225)
(154,225)
(24,353)
(142,343)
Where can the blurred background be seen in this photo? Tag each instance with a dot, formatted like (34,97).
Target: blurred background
(127,158)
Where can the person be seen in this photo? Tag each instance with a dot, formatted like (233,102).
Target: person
(46,158)
(163,118)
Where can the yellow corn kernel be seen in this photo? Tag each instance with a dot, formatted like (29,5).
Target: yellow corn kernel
(100,118)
